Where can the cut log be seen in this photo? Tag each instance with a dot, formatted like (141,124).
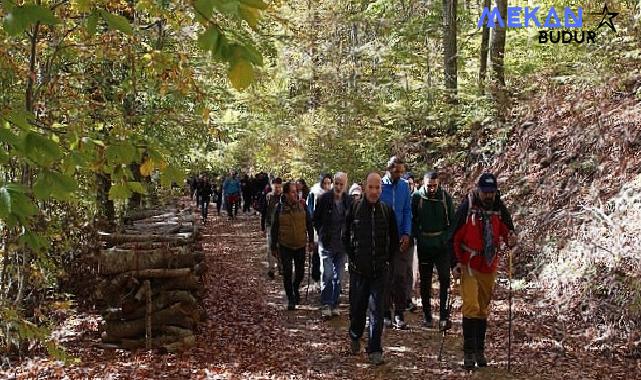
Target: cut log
(190,282)
(134,309)
(170,343)
(177,315)
(118,238)
(145,245)
(155,273)
(115,261)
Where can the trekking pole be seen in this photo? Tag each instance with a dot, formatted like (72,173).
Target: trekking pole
(309,273)
(509,338)
(444,332)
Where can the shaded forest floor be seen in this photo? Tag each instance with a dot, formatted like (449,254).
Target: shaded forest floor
(250,334)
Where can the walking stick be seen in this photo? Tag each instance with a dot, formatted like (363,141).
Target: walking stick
(509,339)
(449,310)
(309,273)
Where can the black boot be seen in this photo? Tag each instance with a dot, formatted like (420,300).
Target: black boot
(469,342)
(480,343)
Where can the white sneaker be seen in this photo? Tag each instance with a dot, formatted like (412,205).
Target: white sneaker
(399,323)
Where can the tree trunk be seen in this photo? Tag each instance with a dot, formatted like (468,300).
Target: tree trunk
(485,42)
(449,50)
(498,47)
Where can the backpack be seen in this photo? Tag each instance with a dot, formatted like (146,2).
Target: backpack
(444,201)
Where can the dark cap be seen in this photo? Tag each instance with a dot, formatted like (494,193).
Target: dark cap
(487,183)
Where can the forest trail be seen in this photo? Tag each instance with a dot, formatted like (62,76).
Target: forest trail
(249,334)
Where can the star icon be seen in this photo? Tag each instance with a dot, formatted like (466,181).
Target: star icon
(607,15)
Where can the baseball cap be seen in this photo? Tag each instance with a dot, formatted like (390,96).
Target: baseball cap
(487,183)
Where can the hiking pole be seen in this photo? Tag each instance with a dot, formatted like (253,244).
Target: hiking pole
(447,326)
(309,273)
(509,337)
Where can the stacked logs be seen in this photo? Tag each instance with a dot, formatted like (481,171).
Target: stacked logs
(151,281)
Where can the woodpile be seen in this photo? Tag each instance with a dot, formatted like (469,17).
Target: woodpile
(150,281)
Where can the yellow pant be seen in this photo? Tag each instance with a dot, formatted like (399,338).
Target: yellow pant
(476,292)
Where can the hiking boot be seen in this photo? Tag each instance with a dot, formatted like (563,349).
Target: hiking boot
(411,307)
(335,312)
(291,306)
(270,274)
(427,320)
(326,312)
(481,361)
(399,323)
(376,358)
(387,322)
(355,347)
(469,343)
(444,325)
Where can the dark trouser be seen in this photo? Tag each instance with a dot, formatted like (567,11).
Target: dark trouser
(428,259)
(204,209)
(297,256)
(316,269)
(364,293)
(247,200)
(233,203)
(397,294)
(219,203)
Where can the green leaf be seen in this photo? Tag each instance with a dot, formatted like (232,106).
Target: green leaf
(19,19)
(204,8)
(171,174)
(41,150)
(137,187)
(249,14)
(33,241)
(119,191)
(117,22)
(208,41)
(122,152)
(92,23)
(8,137)
(4,157)
(57,185)
(258,4)
(241,74)
(20,119)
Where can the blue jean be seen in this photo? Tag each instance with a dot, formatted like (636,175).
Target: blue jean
(364,293)
(332,268)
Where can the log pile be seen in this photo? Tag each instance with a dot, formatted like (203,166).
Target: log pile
(150,281)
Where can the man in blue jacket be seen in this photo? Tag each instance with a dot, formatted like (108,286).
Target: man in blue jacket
(396,194)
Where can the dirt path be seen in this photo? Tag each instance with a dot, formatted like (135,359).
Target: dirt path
(249,334)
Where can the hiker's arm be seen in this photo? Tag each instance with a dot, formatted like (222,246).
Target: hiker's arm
(317,214)
(406,228)
(393,234)
(459,221)
(347,233)
(310,227)
(506,217)
(415,219)
(275,229)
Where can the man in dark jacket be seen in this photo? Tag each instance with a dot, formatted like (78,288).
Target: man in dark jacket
(371,239)
(432,212)
(329,221)
(291,233)
(204,196)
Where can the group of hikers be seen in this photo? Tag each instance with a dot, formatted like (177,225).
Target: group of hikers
(232,191)
(376,228)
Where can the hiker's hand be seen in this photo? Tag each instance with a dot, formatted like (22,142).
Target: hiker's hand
(512,239)
(456,271)
(405,243)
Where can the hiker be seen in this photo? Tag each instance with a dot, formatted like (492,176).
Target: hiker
(246,190)
(356,192)
(291,234)
(481,224)
(324,184)
(329,221)
(303,190)
(216,196)
(231,188)
(432,212)
(204,195)
(371,240)
(396,194)
(272,199)
(409,274)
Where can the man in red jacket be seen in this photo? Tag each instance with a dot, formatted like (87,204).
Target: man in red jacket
(482,224)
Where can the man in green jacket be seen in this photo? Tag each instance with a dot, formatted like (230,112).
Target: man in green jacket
(432,212)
